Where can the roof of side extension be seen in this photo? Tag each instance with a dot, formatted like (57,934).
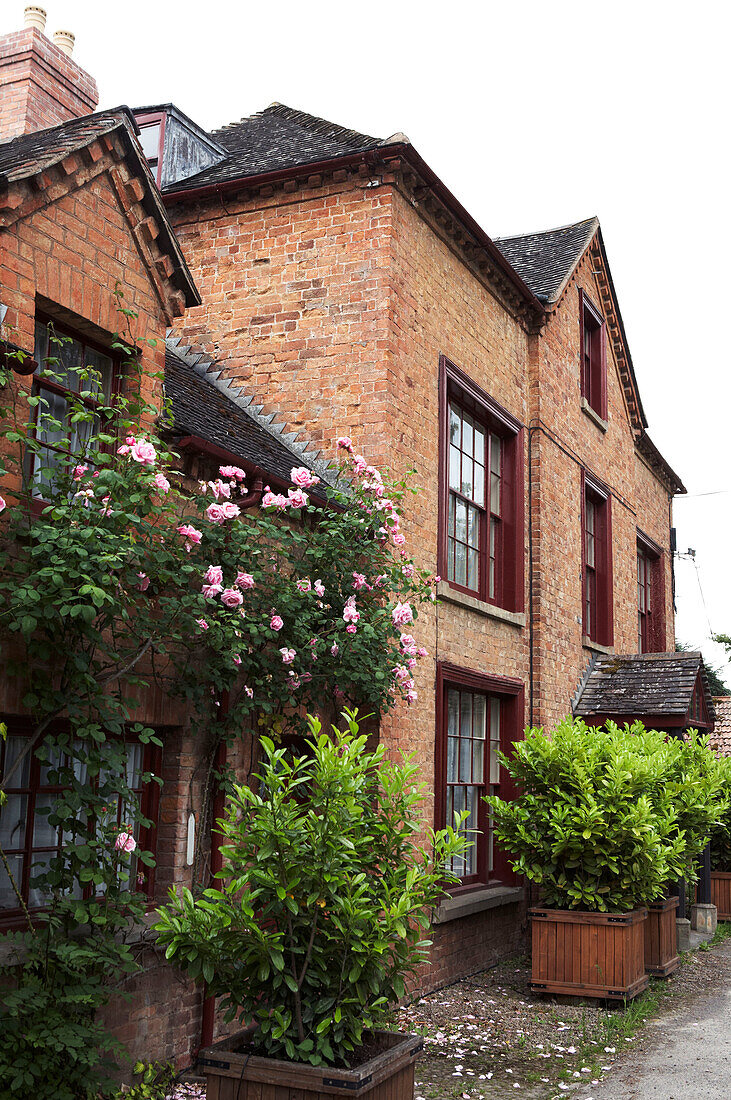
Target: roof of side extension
(546,260)
(276,138)
(642,684)
(218,411)
(30,154)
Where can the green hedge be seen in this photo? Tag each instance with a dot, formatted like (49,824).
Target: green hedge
(607,818)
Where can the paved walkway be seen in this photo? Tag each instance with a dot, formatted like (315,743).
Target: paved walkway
(685,1054)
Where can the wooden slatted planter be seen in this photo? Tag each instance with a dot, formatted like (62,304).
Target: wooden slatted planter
(661,938)
(234,1075)
(721,893)
(589,954)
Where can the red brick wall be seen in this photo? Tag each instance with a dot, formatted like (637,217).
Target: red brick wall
(572,440)
(40,85)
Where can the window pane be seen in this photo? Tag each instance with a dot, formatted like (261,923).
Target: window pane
(460,563)
(461,520)
(70,353)
(44,834)
(478,759)
(478,716)
(453,713)
(150,140)
(467,434)
(452,752)
(450,560)
(13,817)
(465,714)
(454,472)
(478,491)
(479,444)
(473,570)
(40,864)
(13,749)
(494,740)
(473,529)
(134,766)
(100,371)
(454,427)
(8,897)
(467,476)
(470,830)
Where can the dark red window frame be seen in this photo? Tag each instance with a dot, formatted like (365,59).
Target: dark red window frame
(455,386)
(153,119)
(698,716)
(149,804)
(593,353)
(596,561)
(650,596)
(511,694)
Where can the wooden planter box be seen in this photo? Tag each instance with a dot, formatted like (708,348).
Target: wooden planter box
(234,1075)
(589,954)
(661,938)
(721,893)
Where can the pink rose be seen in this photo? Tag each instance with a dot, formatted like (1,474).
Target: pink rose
(214,513)
(213,574)
(402,614)
(422,652)
(411,696)
(219,489)
(276,622)
(130,440)
(407,570)
(237,659)
(125,842)
(232,471)
(359,464)
(144,582)
(144,452)
(274,500)
(231,597)
(437,579)
(244,580)
(230,511)
(202,624)
(123,450)
(210,591)
(319,588)
(345,443)
(303,478)
(304,586)
(335,649)
(398,538)
(161,483)
(351,628)
(381,579)
(191,536)
(297,499)
(350,614)
(359,580)
(288,655)
(249,691)
(79,472)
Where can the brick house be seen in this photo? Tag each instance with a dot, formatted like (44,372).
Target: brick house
(342,289)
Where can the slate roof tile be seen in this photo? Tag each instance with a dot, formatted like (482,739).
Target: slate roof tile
(29,154)
(641,684)
(276,138)
(218,411)
(545,260)
(721,736)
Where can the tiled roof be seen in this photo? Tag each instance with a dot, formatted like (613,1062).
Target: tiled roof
(220,412)
(641,684)
(30,154)
(721,736)
(545,260)
(276,138)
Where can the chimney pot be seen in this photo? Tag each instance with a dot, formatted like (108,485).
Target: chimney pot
(65,41)
(34,16)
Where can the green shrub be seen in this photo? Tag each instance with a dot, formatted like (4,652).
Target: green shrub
(156,1080)
(607,818)
(324,898)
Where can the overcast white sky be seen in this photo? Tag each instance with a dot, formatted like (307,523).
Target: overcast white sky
(535,114)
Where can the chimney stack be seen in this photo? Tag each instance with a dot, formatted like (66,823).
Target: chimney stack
(40,84)
(65,41)
(35,17)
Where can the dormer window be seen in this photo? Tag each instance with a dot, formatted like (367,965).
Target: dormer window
(152,140)
(593,357)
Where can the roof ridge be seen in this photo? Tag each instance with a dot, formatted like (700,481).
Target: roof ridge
(593,220)
(314,123)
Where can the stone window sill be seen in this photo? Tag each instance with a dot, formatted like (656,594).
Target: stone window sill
(593,415)
(477,901)
(482,607)
(595,646)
